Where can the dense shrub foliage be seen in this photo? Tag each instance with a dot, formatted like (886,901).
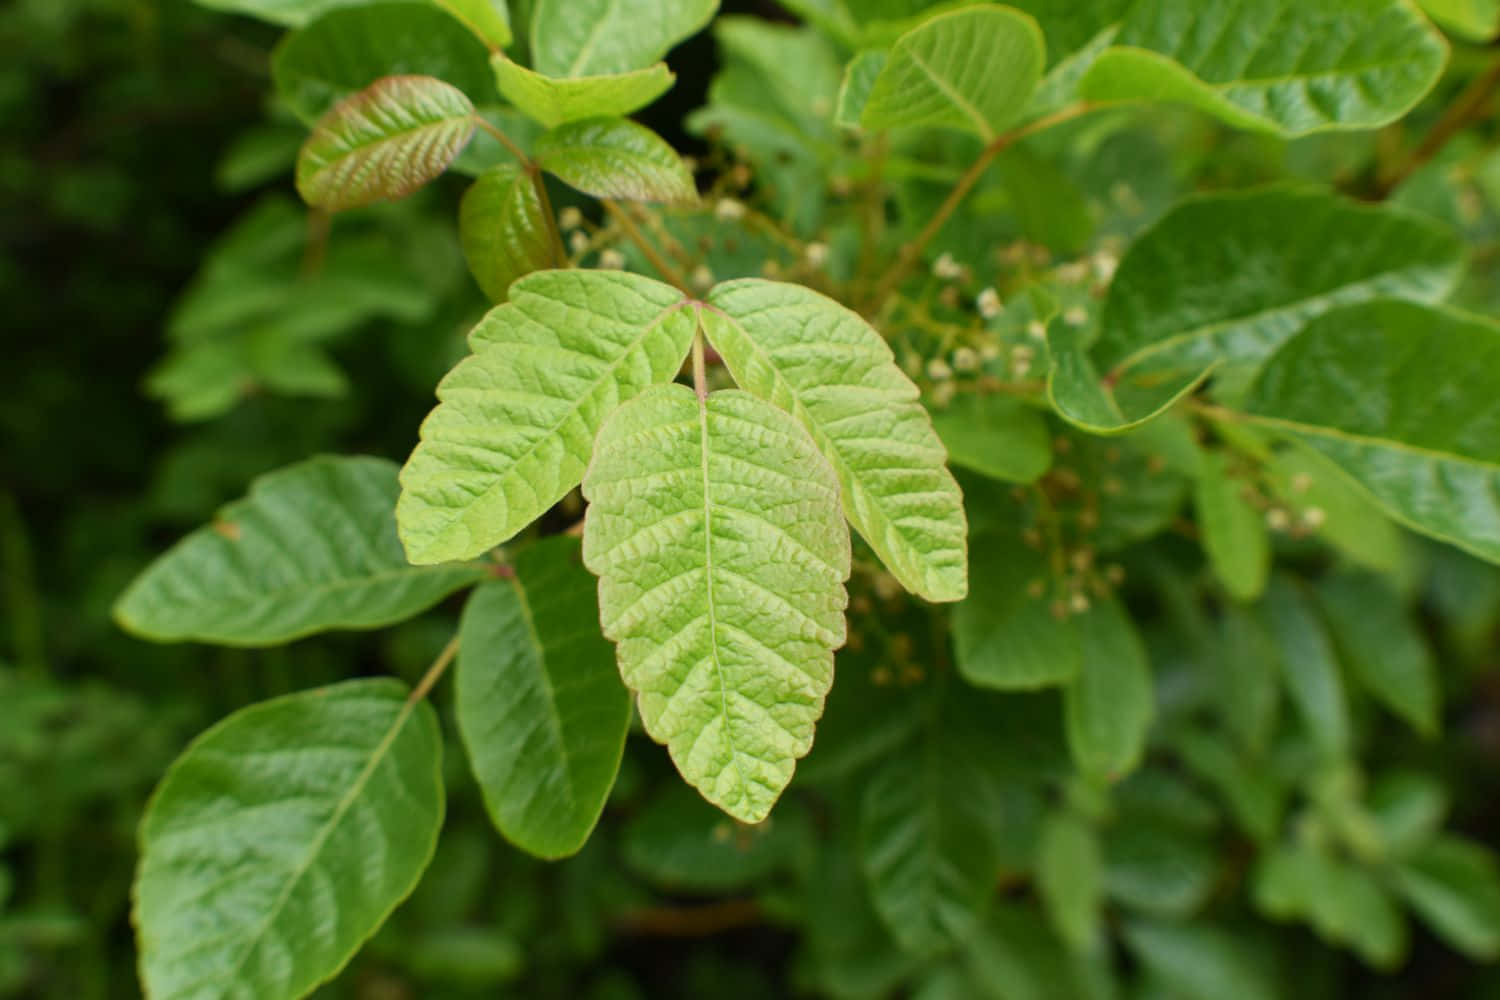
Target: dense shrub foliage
(950,500)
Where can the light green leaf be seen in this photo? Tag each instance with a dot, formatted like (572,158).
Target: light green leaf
(517,418)
(1309,668)
(1455,887)
(1234,532)
(554,102)
(503,229)
(1471,20)
(996,436)
(346,50)
(1345,516)
(972,69)
(829,368)
(489,20)
(1406,401)
(1070,879)
(859,80)
(1315,65)
(283,837)
(312,547)
(1341,901)
(573,38)
(384,142)
(1382,646)
(1110,704)
(615,158)
(1224,280)
(714,527)
(1005,633)
(540,705)
(930,833)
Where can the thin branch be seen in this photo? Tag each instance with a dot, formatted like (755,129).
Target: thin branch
(653,255)
(691,921)
(505,140)
(435,672)
(912,252)
(1469,107)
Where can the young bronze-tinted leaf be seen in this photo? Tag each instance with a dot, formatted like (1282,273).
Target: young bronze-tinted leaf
(346,50)
(540,704)
(1455,886)
(1406,401)
(503,229)
(1309,666)
(312,547)
(1224,280)
(1005,632)
(714,527)
(1234,532)
(996,436)
(1328,64)
(573,38)
(1382,646)
(1473,20)
(489,20)
(516,420)
(615,158)
(283,837)
(829,368)
(554,102)
(1110,704)
(972,69)
(384,142)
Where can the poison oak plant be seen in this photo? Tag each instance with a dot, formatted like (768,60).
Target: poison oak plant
(1139,664)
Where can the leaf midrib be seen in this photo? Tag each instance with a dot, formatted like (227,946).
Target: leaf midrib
(959,100)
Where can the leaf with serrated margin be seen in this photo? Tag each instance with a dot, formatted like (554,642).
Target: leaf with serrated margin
(554,101)
(503,229)
(282,838)
(1222,281)
(1313,65)
(516,421)
(972,69)
(573,38)
(832,371)
(1405,400)
(346,50)
(312,547)
(615,158)
(384,142)
(715,530)
(540,705)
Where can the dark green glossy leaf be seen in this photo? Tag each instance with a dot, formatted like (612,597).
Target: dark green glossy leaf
(1008,633)
(312,547)
(1110,703)
(540,704)
(283,837)
(996,436)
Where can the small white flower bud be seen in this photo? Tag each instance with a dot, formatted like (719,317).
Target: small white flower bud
(702,277)
(612,260)
(729,209)
(947,268)
(1076,316)
(570,218)
(989,303)
(816,254)
(965,359)
(578,242)
(1314,517)
(938,370)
